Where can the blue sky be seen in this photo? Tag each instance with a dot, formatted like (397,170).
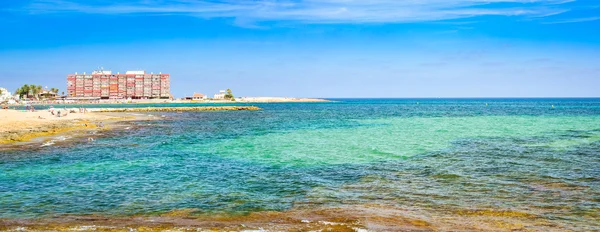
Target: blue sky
(313,48)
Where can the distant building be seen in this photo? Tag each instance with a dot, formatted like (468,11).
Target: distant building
(48,94)
(104,84)
(5,95)
(198,96)
(220,95)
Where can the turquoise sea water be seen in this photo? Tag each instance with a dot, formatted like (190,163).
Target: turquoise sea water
(452,154)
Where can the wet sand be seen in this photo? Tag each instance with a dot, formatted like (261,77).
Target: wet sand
(22,126)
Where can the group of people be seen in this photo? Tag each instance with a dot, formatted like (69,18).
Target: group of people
(30,108)
(58,112)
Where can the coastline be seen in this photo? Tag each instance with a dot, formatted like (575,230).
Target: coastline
(363,217)
(166,101)
(177,109)
(19,126)
(375,197)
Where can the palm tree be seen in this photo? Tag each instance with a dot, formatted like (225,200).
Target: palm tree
(25,91)
(229,95)
(39,89)
(33,91)
(55,91)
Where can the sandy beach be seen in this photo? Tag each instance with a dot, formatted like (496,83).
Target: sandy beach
(22,126)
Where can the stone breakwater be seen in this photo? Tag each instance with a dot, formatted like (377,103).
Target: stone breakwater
(178,109)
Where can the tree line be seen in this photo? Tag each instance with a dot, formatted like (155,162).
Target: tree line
(33,91)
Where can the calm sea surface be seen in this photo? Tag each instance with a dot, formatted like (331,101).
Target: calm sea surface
(437,154)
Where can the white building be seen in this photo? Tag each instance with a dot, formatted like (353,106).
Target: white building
(198,96)
(220,95)
(5,95)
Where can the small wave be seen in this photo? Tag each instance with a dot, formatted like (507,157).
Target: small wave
(63,138)
(50,143)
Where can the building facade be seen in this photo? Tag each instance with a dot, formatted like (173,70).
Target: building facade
(220,95)
(198,96)
(106,85)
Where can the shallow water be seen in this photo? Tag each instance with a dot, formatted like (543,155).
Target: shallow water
(439,155)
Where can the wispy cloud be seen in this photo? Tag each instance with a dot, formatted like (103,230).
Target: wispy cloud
(313,11)
(576,20)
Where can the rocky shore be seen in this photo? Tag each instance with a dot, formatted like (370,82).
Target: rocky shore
(354,218)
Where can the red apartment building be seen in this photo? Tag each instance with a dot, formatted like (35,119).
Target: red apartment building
(106,85)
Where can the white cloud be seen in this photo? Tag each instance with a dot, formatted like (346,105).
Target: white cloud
(314,11)
(575,20)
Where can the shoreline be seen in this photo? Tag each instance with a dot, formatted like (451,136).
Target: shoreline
(176,109)
(18,127)
(363,217)
(166,101)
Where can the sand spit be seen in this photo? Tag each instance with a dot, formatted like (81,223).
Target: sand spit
(178,109)
(358,218)
(23,126)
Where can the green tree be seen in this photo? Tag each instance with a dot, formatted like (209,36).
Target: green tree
(229,95)
(24,91)
(54,90)
(39,89)
(34,91)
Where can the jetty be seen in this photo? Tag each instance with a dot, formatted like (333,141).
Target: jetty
(177,109)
